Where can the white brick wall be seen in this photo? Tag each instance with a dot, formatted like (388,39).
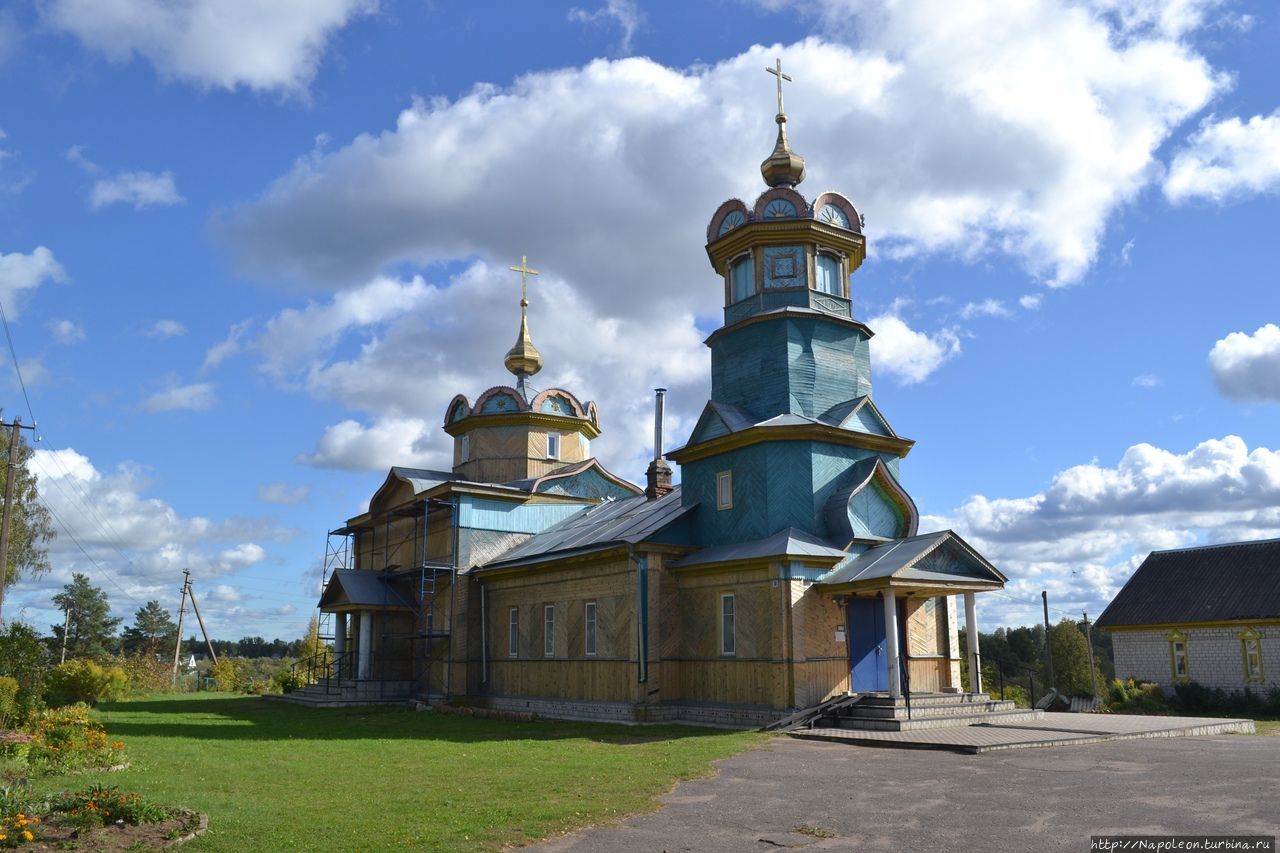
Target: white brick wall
(1214,657)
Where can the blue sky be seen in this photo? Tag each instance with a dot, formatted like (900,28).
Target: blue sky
(249,253)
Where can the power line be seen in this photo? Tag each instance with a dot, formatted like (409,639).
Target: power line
(16,368)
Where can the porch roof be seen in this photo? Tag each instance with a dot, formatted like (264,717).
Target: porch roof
(788,542)
(352,589)
(940,560)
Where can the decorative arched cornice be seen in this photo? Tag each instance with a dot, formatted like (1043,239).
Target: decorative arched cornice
(574,404)
(457,409)
(500,390)
(834,198)
(593,414)
(868,472)
(802,206)
(722,213)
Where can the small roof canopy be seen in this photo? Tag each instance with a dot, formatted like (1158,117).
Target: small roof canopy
(351,589)
(939,563)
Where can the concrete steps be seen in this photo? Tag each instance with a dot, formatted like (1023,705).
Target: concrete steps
(927,711)
(349,693)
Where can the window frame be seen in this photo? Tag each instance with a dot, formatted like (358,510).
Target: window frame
(748,259)
(728,619)
(1179,639)
(836,280)
(724,489)
(513,632)
(464,448)
(590,628)
(548,630)
(553,438)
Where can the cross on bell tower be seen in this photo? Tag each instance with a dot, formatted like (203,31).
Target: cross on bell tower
(523,359)
(784,167)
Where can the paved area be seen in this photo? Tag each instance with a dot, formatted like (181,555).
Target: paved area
(894,800)
(1051,730)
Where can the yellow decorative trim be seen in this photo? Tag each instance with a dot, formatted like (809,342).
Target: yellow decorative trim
(1173,626)
(770,231)
(537,419)
(783,311)
(1174,638)
(1247,636)
(803,432)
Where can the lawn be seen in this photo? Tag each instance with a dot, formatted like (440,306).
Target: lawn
(1268,727)
(277,776)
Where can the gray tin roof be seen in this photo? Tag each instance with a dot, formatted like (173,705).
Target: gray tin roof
(619,522)
(788,542)
(362,589)
(1212,583)
(899,558)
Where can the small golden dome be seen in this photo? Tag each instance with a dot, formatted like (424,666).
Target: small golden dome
(784,167)
(523,359)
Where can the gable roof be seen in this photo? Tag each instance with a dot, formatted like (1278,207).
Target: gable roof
(547,482)
(1211,583)
(788,542)
(941,557)
(361,589)
(615,522)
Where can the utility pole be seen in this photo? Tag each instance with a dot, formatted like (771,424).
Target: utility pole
(1088,638)
(10,476)
(182,610)
(191,593)
(1048,649)
(66,626)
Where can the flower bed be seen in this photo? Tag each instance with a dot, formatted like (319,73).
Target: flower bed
(62,740)
(99,817)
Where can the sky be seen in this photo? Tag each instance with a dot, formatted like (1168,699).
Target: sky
(249,252)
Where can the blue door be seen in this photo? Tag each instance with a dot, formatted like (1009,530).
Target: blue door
(867,668)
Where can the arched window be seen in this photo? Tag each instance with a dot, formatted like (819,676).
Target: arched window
(742,275)
(829,275)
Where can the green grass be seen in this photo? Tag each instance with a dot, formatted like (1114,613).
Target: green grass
(276,776)
(1268,727)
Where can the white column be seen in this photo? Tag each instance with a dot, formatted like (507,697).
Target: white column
(971,643)
(339,641)
(366,644)
(891,641)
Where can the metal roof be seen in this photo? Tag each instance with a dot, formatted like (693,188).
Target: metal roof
(897,559)
(1211,583)
(422,478)
(788,542)
(362,589)
(626,521)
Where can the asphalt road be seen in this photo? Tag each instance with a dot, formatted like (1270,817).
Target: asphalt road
(890,799)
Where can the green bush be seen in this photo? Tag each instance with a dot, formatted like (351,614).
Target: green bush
(146,675)
(24,658)
(1131,697)
(65,739)
(9,706)
(225,676)
(85,681)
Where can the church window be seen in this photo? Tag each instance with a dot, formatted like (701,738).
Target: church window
(589,617)
(549,630)
(553,445)
(464,448)
(513,632)
(1179,665)
(728,628)
(585,444)
(833,215)
(724,490)
(1251,648)
(779,208)
(743,278)
(828,274)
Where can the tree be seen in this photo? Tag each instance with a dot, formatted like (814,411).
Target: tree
(152,631)
(90,625)
(1070,653)
(31,527)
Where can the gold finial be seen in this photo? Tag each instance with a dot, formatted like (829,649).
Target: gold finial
(784,167)
(523,359)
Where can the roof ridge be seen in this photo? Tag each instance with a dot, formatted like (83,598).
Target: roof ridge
(1245,543)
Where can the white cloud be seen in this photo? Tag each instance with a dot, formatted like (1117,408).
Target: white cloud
(1226,160)
(196,397)
(275,46)
(996,166)
(1126,252)
(624,13)
(985,308)
(10,36)
(1031,301)
(1147,380)
(1247,367)
(166,329)
(20,273)
(907,354)
(1087,531)
(140,189)
(67,332)
(228,346)
(392,441)
(282,493)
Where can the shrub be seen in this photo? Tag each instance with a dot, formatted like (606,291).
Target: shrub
(146,674)
(9,707)
(1131,697)
(85,681)
(100,805)
(224,675)
(67,739)
(24,658)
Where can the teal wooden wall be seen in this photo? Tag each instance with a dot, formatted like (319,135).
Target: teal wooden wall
(509,517)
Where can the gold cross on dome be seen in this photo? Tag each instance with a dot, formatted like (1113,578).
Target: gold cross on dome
(524,271)
(777,72)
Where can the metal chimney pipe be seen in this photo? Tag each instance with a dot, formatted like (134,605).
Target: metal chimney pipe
(659,395)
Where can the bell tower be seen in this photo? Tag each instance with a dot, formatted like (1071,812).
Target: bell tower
(790,422)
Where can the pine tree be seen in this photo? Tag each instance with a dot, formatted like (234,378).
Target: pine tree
(152,631)
(1070,653)
(91,628)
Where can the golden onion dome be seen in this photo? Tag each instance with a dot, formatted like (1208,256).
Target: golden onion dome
(523,359)
(784,167)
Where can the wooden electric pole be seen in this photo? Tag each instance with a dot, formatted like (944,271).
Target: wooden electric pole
(10,477)
(1088,638)
(182,611)
(191,593)
(1048,649)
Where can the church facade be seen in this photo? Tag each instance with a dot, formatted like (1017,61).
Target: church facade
(785,568)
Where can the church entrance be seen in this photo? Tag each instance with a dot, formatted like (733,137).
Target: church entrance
(868,670)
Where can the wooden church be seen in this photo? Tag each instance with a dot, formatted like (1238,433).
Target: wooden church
(785,568)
